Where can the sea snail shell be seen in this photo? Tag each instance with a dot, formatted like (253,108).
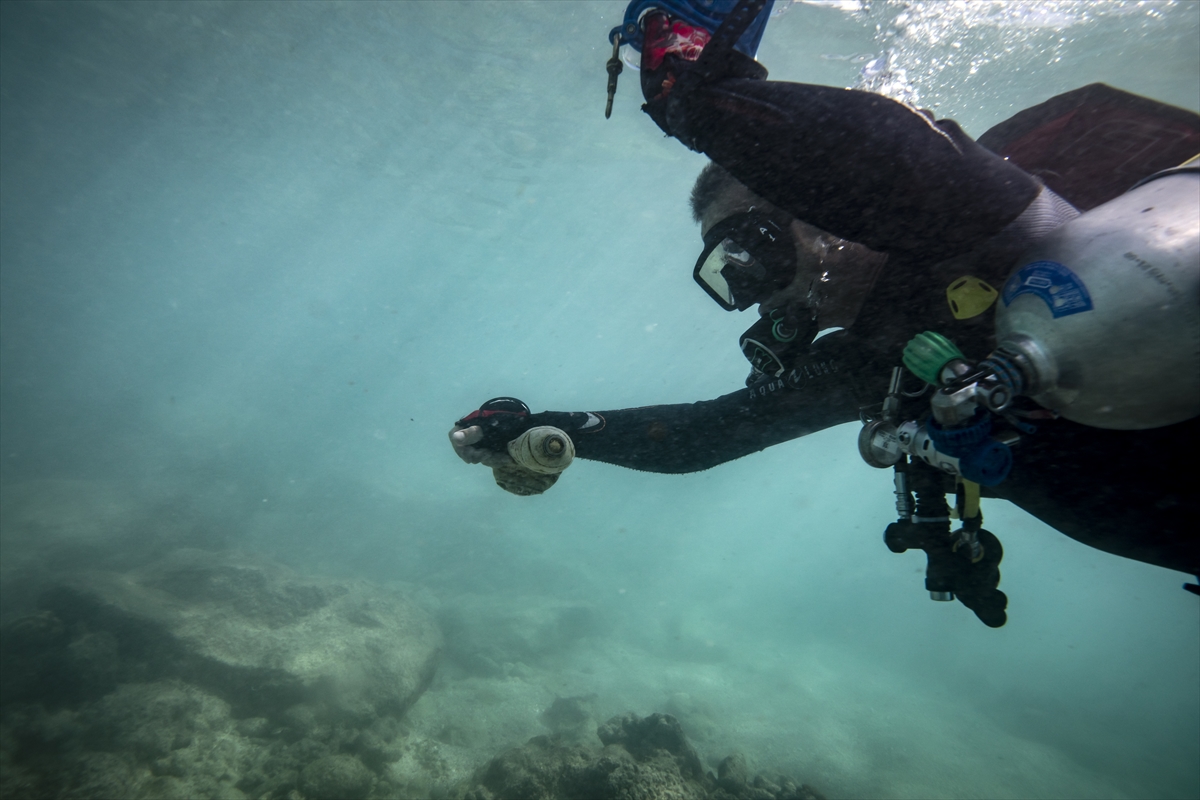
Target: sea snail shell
(545,450)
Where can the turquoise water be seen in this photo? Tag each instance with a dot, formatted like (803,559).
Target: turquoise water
(255,258)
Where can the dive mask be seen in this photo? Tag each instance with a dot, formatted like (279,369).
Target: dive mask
(747,257)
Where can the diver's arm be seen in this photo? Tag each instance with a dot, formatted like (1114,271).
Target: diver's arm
(839,374)
(690,437)
(856,164)
(686,437)
(824,390)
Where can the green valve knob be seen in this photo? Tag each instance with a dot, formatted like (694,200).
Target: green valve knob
(926,354)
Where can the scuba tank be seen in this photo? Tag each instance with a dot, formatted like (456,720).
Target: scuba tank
(1099,324)
(1101,320)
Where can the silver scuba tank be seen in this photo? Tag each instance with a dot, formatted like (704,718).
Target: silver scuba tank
(1105,311)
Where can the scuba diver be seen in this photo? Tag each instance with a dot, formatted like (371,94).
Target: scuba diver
(1039,285)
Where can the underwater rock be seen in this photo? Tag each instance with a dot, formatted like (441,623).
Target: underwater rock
(204,675)
(732,775)
(493,639)
(643,758)
(254,634)
(570,718)
(165,739)
(336,777)
(49,527)
(210,676)
(653,737)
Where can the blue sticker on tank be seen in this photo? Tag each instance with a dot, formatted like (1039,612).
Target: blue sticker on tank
(1060,288)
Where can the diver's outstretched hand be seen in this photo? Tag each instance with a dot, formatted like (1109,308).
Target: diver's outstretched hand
(464,439)
(483,436)
(510,476)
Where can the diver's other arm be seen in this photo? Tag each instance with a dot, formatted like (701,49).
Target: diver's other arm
(857,164)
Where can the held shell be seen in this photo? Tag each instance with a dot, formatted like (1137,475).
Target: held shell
(545,450)
(521,481)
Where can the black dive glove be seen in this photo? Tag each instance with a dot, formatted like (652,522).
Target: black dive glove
(501,420)
(951,569)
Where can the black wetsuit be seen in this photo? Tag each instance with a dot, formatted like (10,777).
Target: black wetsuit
(936,202)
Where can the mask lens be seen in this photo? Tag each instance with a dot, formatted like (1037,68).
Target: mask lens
(708,275)
(746,258)
(732,276)
(735,255)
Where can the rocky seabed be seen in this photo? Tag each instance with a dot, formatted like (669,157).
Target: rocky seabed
(221,675)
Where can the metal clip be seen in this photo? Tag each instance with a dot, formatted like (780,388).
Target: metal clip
(614,69)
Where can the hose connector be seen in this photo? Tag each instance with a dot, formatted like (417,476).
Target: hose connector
(928,353)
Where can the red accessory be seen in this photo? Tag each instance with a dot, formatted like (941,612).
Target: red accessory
(664,36)
(498,407)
